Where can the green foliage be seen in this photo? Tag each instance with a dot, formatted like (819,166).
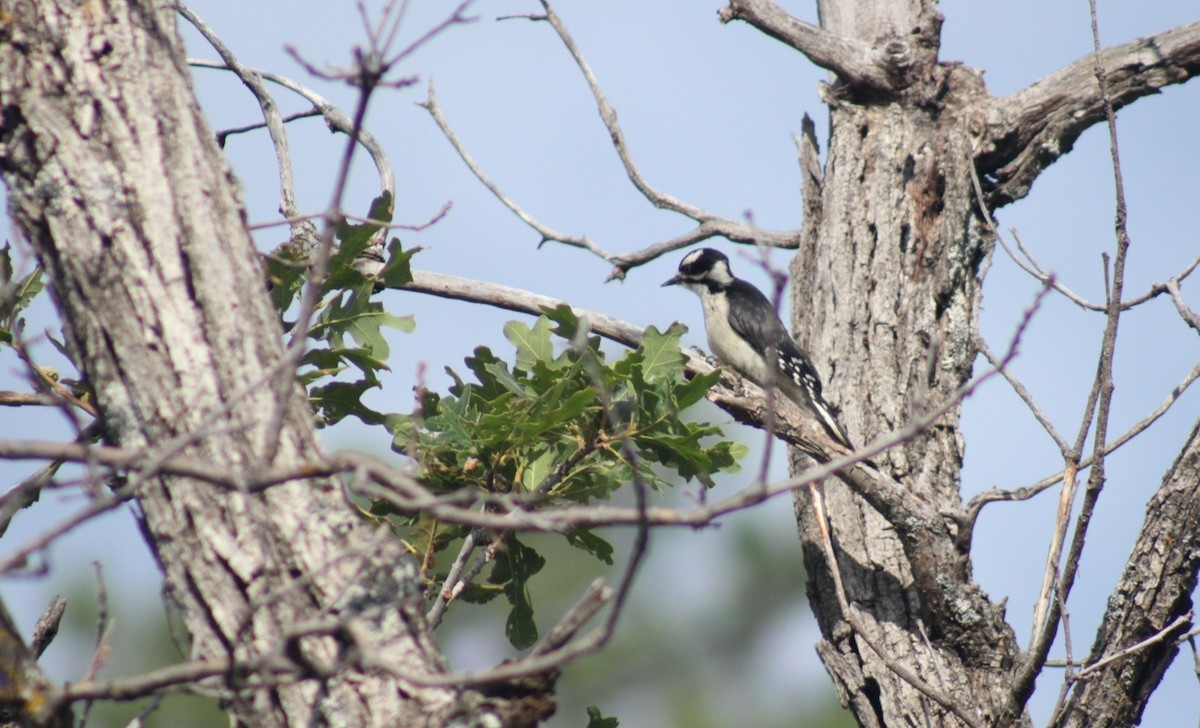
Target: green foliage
(557,425)
(515,564)
(560,425)
(347,336)
(597,720)
(15,295)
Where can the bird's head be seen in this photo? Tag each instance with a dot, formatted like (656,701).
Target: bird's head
(705,268)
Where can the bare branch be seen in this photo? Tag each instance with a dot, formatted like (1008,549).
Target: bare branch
(173,677)
(1047,610)
(430,104)
(850,60)
(104,626)
(608,115)
(1025,396)
(1154,592)
(1032,128)
(24,399)
(334,117)
(47,626)
(1029,264)
(452,584)
(270,112)
(515,299)
(709,225)
(224,134)
(1155,638)
(589,604)
(1189,316)
(1019,494)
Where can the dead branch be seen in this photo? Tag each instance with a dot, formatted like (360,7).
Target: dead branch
(1032,128)
(847,58)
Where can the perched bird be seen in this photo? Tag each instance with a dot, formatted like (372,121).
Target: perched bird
(745,333)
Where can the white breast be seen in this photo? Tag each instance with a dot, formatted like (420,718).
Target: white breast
(731,349)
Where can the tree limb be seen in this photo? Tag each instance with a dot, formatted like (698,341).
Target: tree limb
(1032,128)
(1155,590)
(847,58)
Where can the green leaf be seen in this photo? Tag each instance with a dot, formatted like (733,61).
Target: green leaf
(356,315)
(538,469)
(514,566)
(15,296)
(338,400)
(519,628)
(478,593)
(285,269)
(662,357)
(533,345)
(584,538)
(561,411)
(428,533)
(505,378)
(396,272)
(693,390)
(596,720)
(352,241)
(330,361)
(568,322)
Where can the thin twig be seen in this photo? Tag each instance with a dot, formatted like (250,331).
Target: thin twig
(1102,392)
(709,225)
(1025,396)
(993,495)
(176,677)
(1155,638)
(223,135)
(104,626)
(546,232)
(270,112)
(1187,314)
(1069,663)
(450,586)
(47,626)
(334,117)
(25,399)
(593,599)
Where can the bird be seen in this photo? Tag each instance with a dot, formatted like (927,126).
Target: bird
(746,335)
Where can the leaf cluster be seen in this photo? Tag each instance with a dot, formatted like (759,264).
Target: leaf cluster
(347,330)
(558,425)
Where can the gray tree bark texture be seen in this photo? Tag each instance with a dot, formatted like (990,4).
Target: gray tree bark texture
(134,213)
(886,297)
(898,275)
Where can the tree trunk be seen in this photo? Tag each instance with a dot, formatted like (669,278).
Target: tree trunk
(886,297)
(885,289)
(135,215)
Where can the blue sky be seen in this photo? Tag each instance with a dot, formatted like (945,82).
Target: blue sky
(708,112)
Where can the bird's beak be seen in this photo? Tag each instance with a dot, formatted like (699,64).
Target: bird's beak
(673,282)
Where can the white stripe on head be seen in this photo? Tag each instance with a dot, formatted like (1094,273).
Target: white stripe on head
(706,264)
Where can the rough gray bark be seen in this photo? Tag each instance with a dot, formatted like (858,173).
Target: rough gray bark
(135,215)
(1155,589)
(898,275)
(885,296)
